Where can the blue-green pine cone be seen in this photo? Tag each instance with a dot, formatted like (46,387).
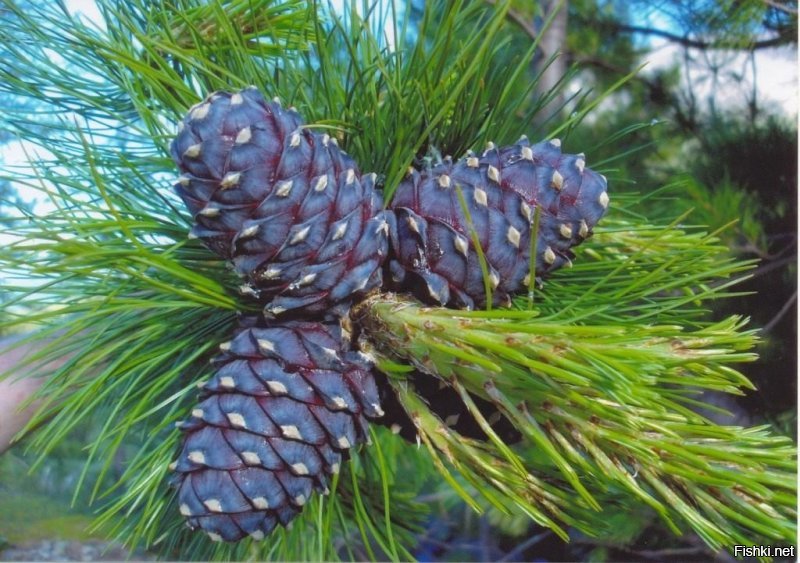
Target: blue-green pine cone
(286,402)
(433,255)
(285,205)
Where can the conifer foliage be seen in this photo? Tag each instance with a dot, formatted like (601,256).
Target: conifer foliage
(456,301)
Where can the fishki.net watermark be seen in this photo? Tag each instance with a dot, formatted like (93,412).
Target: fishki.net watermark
(764,551)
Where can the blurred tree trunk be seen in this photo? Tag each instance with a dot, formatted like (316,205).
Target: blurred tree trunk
(14,392)
(553,43)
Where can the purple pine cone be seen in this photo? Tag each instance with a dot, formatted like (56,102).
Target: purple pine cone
(285,205)
(286,402)
(433,252)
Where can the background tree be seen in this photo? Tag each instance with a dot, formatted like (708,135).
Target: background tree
(737,154)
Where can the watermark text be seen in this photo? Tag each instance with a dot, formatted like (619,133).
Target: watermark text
(763,551)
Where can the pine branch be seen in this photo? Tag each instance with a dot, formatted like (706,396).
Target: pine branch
(611,408)
(686,41)
(781,7)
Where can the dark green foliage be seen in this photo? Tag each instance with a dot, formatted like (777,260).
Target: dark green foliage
(761,163)
(760,159)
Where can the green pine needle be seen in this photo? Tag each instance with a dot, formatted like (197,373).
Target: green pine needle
(609,406)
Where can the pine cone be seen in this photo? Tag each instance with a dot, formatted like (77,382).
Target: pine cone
(286,402)
(285,205)
(433,253)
